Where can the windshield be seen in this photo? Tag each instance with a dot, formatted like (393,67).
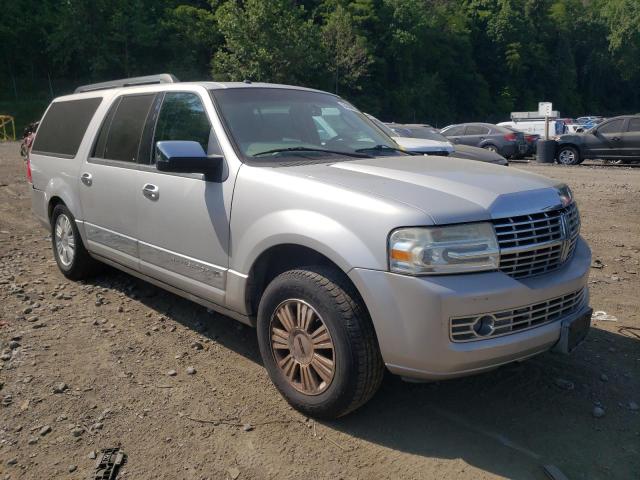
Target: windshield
(279,123)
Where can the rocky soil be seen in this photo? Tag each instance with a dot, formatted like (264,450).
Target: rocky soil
(115,361)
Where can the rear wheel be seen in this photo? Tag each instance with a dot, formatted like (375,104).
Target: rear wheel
(491,148)
(317,342)
(71,256)
(568,155)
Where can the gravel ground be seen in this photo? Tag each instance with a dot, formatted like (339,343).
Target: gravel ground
(115,361)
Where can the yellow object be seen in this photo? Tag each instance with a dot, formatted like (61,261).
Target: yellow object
(7,128)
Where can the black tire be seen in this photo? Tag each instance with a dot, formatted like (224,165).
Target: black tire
(492,148)
(358,364)
(568,155)
(80,265)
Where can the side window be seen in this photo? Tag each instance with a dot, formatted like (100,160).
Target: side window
(63,127)
(120,133)
(614,126)
(477,130)
(634,125)
(454,131)
(182,117)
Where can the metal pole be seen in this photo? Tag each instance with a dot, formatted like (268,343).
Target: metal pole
(546,127)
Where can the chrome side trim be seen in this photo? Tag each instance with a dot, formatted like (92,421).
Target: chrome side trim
(189,296)
(198,270)
(111,239)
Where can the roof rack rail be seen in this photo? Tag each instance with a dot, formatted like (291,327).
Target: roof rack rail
(129,82)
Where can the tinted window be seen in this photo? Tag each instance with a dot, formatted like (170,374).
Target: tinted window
(124,132)
(453,131)
(98,149)
(182,117)
(64,126)
(634,125)
(614,126)
(477,130)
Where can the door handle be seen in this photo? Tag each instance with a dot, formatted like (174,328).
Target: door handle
(86,178)
(151,191)
(615,139)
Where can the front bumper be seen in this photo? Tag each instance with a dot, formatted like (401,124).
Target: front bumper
(411,316)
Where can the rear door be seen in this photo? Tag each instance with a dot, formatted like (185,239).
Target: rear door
(184,225)
(606,140)
(109,181)
(474,135)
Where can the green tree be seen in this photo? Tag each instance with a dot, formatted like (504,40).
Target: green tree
(267,41)
(347,55)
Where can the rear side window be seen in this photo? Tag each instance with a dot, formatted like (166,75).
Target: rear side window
(64,126)
(121,130)
(477,130)
(634,125)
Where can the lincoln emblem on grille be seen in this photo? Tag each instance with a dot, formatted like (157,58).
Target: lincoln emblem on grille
(566,236)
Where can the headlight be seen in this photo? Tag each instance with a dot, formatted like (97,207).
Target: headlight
(436,250)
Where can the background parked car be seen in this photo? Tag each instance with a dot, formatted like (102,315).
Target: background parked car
(495,138)
(616,139)
(427,132)
(438,145)
(536,126)
(531,139)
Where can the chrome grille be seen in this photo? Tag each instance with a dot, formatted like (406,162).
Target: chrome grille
(505,322)
(538,242)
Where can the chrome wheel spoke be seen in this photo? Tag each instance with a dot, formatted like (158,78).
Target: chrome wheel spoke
(286,318)
(321,338)
(309,382)
(323,367)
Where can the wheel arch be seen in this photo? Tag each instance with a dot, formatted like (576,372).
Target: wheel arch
(283,257)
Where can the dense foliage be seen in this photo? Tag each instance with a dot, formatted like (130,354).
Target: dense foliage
(435,61)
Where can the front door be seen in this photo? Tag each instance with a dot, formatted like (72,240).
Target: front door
(109,181)
(184,219)
(605,141)
(631,139)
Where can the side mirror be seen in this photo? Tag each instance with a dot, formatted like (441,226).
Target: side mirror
(579,130)
(594,131)
(181,156)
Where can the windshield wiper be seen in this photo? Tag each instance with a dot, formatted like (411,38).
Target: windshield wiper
(308,149)
(381,148)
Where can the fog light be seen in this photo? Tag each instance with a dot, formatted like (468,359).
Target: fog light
(484,326)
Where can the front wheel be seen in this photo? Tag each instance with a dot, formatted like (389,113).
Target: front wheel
(568,155)
(317,342)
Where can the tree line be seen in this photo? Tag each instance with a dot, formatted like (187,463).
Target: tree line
(434,61)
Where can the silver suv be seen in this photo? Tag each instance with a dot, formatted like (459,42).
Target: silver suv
(286,209)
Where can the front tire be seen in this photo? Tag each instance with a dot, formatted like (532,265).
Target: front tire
(568,155)
(318,343)
(71,256)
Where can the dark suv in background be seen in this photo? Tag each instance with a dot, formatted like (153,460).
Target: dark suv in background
(616,140)
(498,139)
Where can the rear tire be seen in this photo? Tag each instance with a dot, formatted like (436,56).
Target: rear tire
(568,155)
(71,256)
(491,148)
(318,343)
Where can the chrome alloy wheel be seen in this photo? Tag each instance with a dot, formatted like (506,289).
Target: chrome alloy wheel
(65,240)
(302,347)
(567,156)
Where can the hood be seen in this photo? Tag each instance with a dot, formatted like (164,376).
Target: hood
(418,145)
(571,137)
(448,190)
(480,154)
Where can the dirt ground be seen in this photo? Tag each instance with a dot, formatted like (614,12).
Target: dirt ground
(107,347)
